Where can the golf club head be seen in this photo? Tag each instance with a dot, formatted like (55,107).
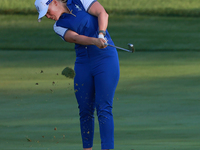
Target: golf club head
(131,47)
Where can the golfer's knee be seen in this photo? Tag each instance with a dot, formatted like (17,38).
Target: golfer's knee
(86,114)
(104,112)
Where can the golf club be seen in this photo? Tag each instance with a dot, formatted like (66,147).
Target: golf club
(131,47)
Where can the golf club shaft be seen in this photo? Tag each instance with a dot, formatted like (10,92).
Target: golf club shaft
(118,47)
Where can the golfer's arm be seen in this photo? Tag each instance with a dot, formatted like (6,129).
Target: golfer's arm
(97,10)
(73,37)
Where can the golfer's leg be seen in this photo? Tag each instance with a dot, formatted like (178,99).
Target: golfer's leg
(105,84)
(84,91)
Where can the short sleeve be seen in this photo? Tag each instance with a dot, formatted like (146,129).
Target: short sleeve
(87,3)
(60,30)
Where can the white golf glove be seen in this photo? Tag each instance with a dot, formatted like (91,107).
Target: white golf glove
(101,36)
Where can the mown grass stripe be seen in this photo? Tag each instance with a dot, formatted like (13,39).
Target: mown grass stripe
(147,12)
(182,8)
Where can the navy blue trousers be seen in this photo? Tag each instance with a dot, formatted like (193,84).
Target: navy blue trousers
(95,82)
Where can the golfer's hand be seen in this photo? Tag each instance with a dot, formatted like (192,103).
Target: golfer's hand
(101,42)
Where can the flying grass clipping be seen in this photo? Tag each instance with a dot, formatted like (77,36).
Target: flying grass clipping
(68,72)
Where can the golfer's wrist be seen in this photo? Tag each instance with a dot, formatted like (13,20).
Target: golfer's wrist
(102,32)
(94,41)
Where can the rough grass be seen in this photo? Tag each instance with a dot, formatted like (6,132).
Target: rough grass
(142,7)
(156,105)
(115,4)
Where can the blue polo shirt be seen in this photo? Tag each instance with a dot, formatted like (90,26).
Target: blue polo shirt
(83,23)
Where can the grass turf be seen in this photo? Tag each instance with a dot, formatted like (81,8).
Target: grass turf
(156,105)
(114,4)
(147,7)
(146,33)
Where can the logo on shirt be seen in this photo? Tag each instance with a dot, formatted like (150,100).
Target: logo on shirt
(79,9)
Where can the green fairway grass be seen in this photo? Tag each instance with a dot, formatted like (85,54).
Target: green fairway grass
(156,106)
(23,32)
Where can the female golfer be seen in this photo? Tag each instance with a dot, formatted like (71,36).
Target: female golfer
(84,22)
